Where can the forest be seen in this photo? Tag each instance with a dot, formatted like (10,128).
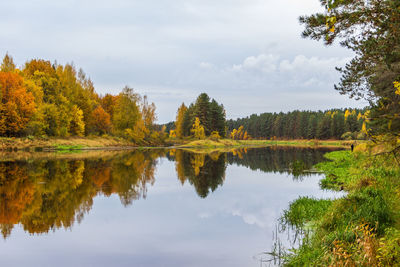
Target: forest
(332,124)
(207,118)
(45,99)
(51,100)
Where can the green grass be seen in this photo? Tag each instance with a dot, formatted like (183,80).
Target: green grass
(304,211)
(359,229)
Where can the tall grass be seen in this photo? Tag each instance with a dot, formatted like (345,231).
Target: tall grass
(359,229)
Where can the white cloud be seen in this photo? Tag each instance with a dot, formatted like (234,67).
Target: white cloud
(259,219)
(316,64)
(249,50)
(206,65)
(263,63)
(300,64)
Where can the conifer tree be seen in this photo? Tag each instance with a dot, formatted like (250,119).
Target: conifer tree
(202,111)
(371,30)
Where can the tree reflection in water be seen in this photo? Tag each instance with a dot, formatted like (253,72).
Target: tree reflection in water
(204,171)
(296,161)
(47,193)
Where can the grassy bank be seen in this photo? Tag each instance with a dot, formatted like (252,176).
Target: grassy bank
(360,229)
(71,143)
(207,143)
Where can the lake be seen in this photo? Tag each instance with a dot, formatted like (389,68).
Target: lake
(151,207)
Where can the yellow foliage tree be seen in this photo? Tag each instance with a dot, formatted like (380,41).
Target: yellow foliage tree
(179,120)
(397,87)
(148,113)
(172,134)
(8,64)
(364,127)
(347,113)
(77,125)
(233,134)
(198,130)
(138,133)
(215,136)
(240,133)
(245,136)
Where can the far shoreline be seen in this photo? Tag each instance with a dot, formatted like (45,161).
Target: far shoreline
(110,143)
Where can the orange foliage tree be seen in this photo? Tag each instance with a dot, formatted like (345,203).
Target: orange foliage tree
(16,105)
(101,120)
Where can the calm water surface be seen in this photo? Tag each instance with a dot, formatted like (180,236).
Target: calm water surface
(150,208)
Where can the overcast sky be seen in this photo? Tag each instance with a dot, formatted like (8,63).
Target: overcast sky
(247,54)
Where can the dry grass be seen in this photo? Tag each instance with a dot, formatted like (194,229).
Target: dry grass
(81,142)
(24,156)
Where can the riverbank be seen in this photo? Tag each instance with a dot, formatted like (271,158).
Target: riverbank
(208,143)
(117,143)
(360,229)
(69,143)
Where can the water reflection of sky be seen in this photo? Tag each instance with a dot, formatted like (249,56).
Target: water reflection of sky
(173,226)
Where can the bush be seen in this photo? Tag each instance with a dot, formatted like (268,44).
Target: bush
(361,136)
(347,136)
(214,136)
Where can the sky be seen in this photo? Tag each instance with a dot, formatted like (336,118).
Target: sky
(247,54)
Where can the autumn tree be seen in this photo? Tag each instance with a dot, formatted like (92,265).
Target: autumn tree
(77,125)
(108,103)
(16,104)
(198,129)
(148,113)
(172,134)
(101,120)
(179,121)
(126,112)
(44,75)
(45,98)
(8,64)
(52,115)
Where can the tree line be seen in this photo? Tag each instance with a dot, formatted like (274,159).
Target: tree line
(45,99)
(331,124)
